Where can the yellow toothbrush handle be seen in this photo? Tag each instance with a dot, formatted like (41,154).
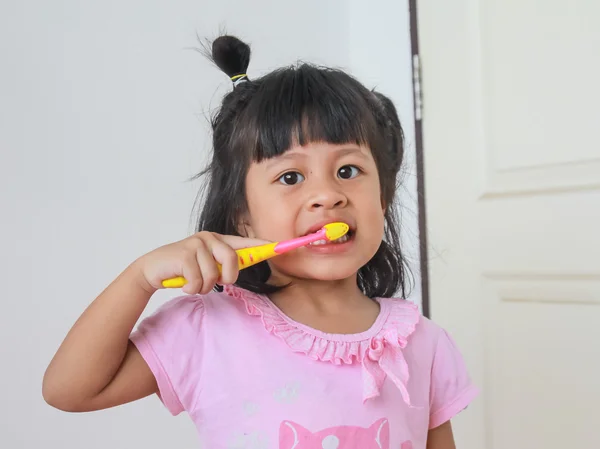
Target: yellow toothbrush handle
(256,254)
(246,258)
(177,282)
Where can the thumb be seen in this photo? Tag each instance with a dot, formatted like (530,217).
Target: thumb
(237,242)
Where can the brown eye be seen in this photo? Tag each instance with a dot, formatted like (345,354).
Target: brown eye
(348,172)
(291,178)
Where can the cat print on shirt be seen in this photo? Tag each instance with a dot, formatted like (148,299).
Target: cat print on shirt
(294,436)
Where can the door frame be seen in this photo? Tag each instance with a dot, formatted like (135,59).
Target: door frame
(418,117)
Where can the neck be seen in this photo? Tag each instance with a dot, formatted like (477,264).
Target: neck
(319,295)
(333,307)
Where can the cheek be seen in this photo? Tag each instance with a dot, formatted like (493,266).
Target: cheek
(264,219)
(371,194)
(271,217)
(373,209)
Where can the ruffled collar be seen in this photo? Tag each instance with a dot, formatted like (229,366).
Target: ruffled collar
(378,350)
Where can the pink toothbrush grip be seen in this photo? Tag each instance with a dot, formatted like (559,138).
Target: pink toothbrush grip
(288,245)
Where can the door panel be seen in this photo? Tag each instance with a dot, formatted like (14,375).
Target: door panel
(512,170)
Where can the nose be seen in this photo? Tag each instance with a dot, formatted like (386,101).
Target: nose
(326,195)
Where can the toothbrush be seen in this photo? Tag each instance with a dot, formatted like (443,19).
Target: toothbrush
(251,256)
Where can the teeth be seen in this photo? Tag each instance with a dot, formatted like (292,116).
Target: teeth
(342,239)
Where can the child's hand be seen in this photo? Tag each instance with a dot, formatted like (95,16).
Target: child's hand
(195,258)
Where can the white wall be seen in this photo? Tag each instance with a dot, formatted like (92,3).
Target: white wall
(101,123)
(380,56)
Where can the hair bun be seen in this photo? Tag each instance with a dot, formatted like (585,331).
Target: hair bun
(231,55)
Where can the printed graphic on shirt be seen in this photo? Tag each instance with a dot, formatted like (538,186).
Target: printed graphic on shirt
(294,436)
(253,440)
(250,408)
(288,394)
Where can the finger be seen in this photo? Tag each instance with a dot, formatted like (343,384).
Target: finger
(191,272)
(208,267)
(237,242)
(226,256)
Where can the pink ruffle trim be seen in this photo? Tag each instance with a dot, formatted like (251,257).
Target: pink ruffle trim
(378,350)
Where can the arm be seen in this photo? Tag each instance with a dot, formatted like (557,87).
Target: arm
(97,366)
(451,391)
(441,437)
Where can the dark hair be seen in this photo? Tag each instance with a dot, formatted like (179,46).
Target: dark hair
(264,117)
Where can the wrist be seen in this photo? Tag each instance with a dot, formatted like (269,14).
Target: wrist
(136,272)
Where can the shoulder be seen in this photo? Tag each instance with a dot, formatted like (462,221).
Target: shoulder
(435,341)
(181,308)
(184,306)
(419,330)
(186,321)
(424,338)
(435,337)
(428,331)
(190,310)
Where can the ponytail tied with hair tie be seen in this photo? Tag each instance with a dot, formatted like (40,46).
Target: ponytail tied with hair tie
(237,79)
(232,56)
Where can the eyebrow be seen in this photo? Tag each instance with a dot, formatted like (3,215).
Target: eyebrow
(293,155)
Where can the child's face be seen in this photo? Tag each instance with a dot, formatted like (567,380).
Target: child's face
(300,191)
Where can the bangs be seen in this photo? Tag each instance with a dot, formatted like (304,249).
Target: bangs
(304,104)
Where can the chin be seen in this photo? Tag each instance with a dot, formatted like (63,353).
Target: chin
(323,271)
(330,276)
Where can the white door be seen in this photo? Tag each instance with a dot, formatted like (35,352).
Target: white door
(512,166)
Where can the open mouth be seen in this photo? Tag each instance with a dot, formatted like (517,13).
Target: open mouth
(343,239)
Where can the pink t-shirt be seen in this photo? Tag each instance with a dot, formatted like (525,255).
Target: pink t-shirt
(251,378)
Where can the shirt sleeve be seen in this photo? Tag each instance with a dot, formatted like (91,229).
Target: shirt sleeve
(451,389)
(170,341)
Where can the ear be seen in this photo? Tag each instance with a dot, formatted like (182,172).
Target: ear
(290,434)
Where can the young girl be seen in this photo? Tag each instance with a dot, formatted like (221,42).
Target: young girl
(309,350)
